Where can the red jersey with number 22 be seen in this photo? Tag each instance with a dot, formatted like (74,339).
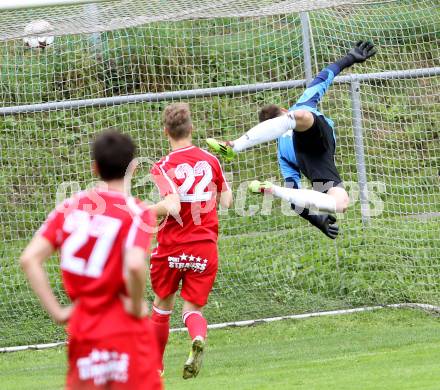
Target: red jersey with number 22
(196,175)
(92,230)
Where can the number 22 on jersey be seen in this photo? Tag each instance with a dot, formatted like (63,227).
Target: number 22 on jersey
(83,228)
(189,174)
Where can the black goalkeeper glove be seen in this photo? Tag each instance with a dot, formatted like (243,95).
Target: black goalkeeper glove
(326,223)
(360,53)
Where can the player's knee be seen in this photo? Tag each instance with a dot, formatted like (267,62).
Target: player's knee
(304,120)
(166,303)
(341,197)
(342,202)
(191,307)
(300,115)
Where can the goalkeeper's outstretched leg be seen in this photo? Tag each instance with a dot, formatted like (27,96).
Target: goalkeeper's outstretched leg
(306,199)
(264,132)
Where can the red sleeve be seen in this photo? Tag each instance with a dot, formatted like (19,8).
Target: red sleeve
(52,228)
(221,183)
(162,180)
(141,231)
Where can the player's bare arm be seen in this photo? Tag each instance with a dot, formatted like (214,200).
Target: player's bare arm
(31,260)
(225,199)
(135,263)
(169,205)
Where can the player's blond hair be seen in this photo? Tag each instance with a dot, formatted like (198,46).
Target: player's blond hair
(177,120)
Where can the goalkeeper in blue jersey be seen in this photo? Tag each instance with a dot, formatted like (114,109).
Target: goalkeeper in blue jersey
(314,145)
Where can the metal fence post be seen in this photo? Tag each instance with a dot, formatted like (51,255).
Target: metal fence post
(355,87)
(305,29)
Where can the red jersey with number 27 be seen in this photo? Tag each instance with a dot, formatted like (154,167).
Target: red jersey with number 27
(196,175)
(92,230)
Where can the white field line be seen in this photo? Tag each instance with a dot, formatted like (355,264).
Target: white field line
(421,306)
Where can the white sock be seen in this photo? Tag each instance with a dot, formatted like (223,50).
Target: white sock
(306,198)
(265,131)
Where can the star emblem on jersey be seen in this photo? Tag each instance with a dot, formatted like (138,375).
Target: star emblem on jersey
(105,356)
(95,356)
(186,262)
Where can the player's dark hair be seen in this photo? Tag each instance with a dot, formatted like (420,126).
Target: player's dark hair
(269,111)
(113,153)
(177,120)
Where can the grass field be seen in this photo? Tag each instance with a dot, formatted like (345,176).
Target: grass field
(386,349)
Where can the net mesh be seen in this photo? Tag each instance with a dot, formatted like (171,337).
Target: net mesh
(116,14)
(272,262)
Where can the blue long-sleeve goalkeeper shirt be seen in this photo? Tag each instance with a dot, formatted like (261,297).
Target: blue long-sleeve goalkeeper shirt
(308,101)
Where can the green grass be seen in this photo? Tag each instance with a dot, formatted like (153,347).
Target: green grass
(386,349)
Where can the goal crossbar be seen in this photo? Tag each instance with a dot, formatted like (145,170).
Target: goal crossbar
(217,91)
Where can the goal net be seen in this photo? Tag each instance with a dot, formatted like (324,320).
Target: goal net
(119,63)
